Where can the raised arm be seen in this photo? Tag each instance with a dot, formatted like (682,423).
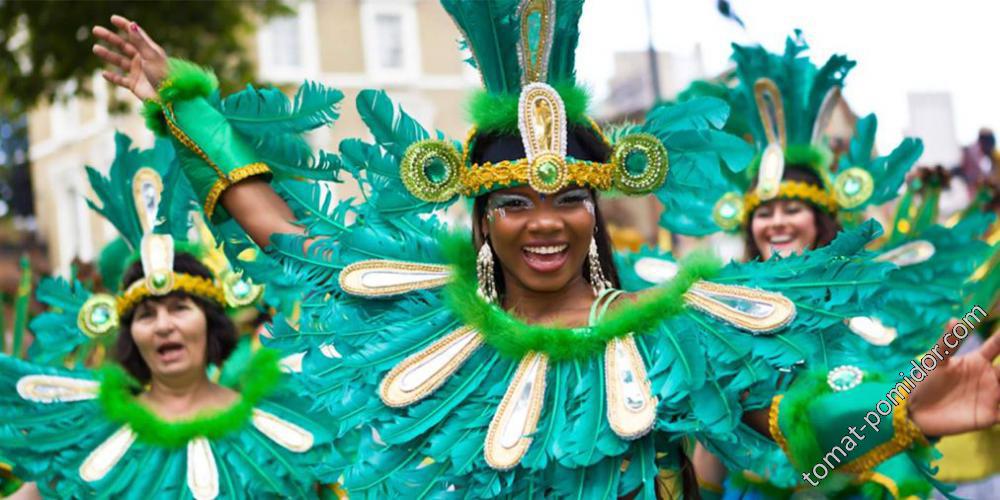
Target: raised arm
(231,178)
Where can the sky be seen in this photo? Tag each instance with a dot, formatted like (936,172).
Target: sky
(900,46)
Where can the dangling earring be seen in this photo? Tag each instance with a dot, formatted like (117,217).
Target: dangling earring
(484,274)
(597,280)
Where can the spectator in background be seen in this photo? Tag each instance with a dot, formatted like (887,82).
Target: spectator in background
(981,160)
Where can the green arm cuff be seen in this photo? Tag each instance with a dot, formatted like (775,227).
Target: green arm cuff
(212,154)
(842,430)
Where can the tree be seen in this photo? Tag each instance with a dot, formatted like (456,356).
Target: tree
(45,43)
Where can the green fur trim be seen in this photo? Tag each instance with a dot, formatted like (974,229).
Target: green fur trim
(121,406)
(186,80)
(152,112)
(793,417)
(498,112)
(514,338)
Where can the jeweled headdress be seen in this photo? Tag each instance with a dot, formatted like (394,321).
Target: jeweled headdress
(529,122)
(786,103)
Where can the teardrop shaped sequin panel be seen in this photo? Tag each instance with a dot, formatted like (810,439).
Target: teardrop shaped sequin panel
(56,389)
(383,278)
(202,474)
(655,270)
(751,309)
(510,431)
(872,330)
(422,373)
(909,254)
(107,455)
(283,432)
(631,405)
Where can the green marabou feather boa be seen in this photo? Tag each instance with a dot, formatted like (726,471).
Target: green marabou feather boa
(498,113)
(261,377)
(185,80)
(514,338)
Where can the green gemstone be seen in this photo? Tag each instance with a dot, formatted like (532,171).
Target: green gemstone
(100,315)
(241,289)
(436,169)
(727,211)
(636,162)
(159,280)
(852,186)
(548,173)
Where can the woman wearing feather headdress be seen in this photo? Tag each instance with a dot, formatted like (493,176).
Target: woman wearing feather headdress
(508,364)
(153,424)
(797,196)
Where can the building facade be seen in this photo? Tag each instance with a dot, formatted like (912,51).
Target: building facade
(410,48)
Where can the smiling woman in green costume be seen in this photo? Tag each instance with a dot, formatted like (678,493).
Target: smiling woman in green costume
(523,370)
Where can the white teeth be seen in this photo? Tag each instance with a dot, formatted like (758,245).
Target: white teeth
(784,238)
(546,250)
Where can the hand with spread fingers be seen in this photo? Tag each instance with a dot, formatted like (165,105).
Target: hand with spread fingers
(961,394)
(135,61)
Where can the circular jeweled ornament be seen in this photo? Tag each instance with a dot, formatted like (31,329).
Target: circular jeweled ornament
(844,378)
(548,173)
(160,282)
(239,292)
(430,170)
(728,212)
(98,316)
(641,164)
(853,187)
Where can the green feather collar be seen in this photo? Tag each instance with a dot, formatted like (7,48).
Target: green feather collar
(120,405)
(514,338)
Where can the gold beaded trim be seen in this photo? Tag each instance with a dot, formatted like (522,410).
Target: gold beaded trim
(224,181)
(775,428)
(881,479)
(195,285)
(220,186)
(508,173)
(794,190)
(905,432)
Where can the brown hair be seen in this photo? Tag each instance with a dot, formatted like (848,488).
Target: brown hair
(827,226)
(220,335)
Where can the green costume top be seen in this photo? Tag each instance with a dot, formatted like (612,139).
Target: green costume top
(438,389)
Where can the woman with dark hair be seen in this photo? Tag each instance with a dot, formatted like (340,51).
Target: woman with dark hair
(509,364)
(789,226)
(156,426)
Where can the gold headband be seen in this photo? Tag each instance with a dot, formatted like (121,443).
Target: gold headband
(164,284)
(484,177)
(795,190)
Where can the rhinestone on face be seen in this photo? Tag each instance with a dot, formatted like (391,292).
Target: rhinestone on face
(844,378)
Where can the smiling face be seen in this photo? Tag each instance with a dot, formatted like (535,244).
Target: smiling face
(541,241)
(170,334)
(787,227)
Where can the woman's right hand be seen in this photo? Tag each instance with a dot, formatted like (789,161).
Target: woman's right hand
(135,62)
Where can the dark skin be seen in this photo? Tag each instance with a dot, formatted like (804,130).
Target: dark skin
(137,63)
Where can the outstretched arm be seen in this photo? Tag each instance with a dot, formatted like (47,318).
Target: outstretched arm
(137,63)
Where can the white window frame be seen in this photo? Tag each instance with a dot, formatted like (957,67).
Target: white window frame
(407,11)
(308,45)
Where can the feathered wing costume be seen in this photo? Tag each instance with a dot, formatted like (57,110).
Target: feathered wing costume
(80,432)
(440,391)
(783,102)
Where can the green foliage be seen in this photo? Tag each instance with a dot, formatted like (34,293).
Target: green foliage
(49,42)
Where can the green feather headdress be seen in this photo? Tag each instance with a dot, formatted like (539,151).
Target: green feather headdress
(782,103)
(529,120)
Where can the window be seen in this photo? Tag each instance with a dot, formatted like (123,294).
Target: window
(288,45)
(391,44)
(389,37)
